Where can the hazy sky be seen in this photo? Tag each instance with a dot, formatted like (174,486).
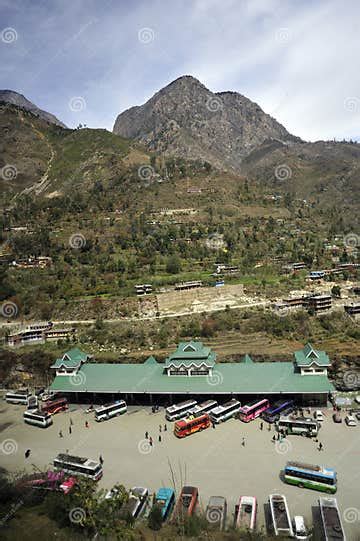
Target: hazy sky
(87,60)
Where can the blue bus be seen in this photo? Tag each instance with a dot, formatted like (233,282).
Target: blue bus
(165,499)
(310,476)
(280,407)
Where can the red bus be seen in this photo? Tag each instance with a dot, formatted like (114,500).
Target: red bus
(254,409)
(54,406)
(190,426)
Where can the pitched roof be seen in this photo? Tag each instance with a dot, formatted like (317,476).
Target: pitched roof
(247,378)
(308,355)
(190,353)
(71,359)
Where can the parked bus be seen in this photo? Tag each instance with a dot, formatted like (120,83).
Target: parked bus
(38,418)
(253,409)
(331,520)
(280,516)
(186,427)
(18,397)
(301,425)
(225,411)
(204,407)
(273,413)
(54,406)
(110,410)
(165,500)
(310,476)
(79,466)
(179,411)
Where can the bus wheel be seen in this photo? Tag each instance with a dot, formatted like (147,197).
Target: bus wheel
(303,434)
(329,491)
(300,485)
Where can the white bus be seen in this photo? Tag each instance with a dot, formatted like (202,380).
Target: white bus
(38,418)
(110,410)
(204,407)
(305,426)
(77,465)
(179,411)
(225,411)
(18,397)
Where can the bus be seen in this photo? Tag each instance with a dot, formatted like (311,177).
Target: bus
(38,418)
(253,409)
(310,476)
(165,500)
(18,397)
(190,426)
(273,413)
(305,426)
(204,407)
(110,410)
(225,411)
(54,406)
(179,411)
(79,466)
(331,520)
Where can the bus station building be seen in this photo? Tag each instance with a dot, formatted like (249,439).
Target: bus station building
(192,371)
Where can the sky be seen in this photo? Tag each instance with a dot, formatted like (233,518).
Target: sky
(88,60)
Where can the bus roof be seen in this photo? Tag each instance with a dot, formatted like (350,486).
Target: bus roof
(174,407)
(253,403)
(320,470)
(164,493)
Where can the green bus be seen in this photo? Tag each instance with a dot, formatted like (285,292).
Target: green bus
(310,476)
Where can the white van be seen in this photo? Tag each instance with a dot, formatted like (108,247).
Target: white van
(300,530)
(318,415)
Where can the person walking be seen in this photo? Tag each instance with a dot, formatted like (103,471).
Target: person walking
(269,427)
(243,442)
(86,424)
(27,453)
(274,438)
(70,429)
(150,441)
(101,460)
(320,446)
(213,425)
(60,434)
(165,428)
(71,421)
(160,438)
(146,435)
(159,428)
(261,425)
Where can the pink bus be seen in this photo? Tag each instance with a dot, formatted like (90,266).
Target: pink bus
(254,409)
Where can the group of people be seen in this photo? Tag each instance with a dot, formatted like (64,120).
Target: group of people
(161,429)
(70,428)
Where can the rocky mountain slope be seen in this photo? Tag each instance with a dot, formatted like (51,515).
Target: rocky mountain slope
(14,98)
(188,120)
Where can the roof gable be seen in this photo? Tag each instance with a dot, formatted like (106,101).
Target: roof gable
(308,356)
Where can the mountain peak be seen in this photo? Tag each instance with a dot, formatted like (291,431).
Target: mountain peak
(15,98)
(186,119)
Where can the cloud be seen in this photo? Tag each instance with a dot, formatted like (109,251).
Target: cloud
(297,60)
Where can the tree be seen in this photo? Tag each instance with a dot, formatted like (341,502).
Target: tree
(336,291)
(155,518)
(173,264)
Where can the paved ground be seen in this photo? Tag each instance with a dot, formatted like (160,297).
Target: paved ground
(215,460)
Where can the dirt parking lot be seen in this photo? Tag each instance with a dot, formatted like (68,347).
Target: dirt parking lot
(214,460)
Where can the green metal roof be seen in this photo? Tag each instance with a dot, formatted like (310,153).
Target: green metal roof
(227,378)
(308,355)
(71,359)
(190,353)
